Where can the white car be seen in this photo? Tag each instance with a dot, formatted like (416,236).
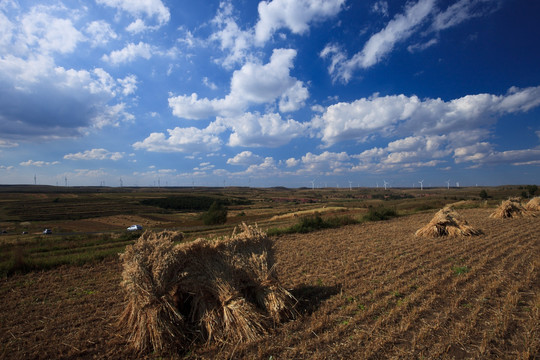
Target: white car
(134,228)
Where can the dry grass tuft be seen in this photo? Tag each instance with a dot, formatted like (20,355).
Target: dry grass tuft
(511,208)
(447,222)
(533,204)
(223,290)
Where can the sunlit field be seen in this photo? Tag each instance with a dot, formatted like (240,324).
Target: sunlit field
(365,286)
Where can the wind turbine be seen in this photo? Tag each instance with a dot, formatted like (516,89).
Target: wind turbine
(421,184)
(448,184)
(313,184)
(121,182)
(385,184)
(35,179)
(350,185)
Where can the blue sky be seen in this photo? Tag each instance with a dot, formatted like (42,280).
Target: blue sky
(270,93)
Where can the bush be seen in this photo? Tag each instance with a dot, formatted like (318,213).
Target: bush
(217,214)
(314,223)
(379,214)
(483,195)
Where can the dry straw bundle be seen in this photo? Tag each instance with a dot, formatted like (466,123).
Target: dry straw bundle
(447,222)
(533,204)
(221,290)
(511,208)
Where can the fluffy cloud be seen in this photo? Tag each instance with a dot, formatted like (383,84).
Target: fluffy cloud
(129,84)
(324,163)
(252,84)
(39,99)
(294,15)
(39,28)
(244,158)
(269,130)
(38,163)
(410,152)
(100,32)
(190,140)
(95,154)
(151,9)
(129,53)
(411,115)
(483,153)
(264,169)
(231,37)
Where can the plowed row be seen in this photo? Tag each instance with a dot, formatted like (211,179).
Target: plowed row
(370,291)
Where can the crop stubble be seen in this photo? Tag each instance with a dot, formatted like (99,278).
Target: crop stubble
(366,291)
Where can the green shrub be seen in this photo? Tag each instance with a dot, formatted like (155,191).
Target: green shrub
(314,223)
(483,194)
(379,214)
(217,214)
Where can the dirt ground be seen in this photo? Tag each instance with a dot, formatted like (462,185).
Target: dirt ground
(369,291)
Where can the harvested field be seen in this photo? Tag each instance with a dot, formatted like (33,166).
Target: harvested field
(368,291)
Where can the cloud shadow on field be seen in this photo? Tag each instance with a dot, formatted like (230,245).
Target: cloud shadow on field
(311,296)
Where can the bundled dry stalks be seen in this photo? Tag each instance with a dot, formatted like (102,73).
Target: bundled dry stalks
(533,204)
(511,208)
(222,290)
(447,222)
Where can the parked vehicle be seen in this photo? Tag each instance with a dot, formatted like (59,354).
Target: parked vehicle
(134,228)
(47,232)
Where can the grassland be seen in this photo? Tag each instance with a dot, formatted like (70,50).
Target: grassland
(369,290)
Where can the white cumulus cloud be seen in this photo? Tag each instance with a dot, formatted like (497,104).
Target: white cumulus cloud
(95,154)
(190,140)
(268,130)
(129,53)
(295,15)
(152,9)
(244,158)
(254,83)
(411,115)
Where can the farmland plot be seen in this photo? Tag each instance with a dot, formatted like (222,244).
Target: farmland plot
(368,291)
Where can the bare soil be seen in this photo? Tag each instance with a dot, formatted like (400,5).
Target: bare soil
(369,291)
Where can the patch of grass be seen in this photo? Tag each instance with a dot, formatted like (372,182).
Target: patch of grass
(43,253)
(459,270)
(314,223)
(379,214)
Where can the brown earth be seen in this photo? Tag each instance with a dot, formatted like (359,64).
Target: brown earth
(369,291)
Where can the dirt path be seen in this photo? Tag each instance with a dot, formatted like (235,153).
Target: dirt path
(369,291)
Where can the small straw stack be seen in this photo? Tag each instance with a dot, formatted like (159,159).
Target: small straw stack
(447,222)
(511,208)
(533,204)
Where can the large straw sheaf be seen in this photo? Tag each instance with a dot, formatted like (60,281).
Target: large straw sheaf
(511,208)
(447,222)
(223,290)
(533,204)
